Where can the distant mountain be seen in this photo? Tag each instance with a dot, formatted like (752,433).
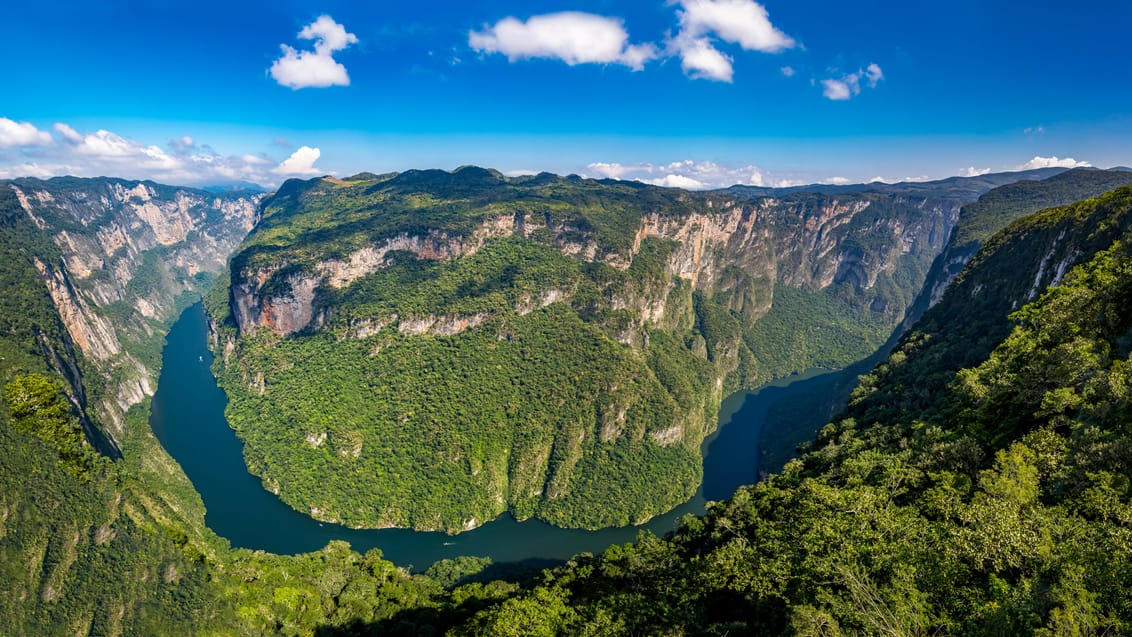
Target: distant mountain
(954,187)
(978,484)
(120,259)
(235,187)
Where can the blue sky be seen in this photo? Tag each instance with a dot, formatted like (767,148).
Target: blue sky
(694,93)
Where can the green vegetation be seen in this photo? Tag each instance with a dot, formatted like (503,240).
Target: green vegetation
(101,547)
(37,406)
(529,340)
(307,221)
(536,410)
(812,328)
(976,484)
(1001,206)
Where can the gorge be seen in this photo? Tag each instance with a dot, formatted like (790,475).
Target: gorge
(142,511)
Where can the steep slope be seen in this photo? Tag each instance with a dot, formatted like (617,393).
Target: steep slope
(997,504)
(432,349)
(69,521)
(996,209)
(120,259)
(1009,271)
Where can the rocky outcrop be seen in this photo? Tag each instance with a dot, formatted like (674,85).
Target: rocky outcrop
(90,331)
(127,251)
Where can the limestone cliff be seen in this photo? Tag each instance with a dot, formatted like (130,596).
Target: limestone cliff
(127,257)
(735,248)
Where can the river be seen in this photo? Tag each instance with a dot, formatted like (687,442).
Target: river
(188,418)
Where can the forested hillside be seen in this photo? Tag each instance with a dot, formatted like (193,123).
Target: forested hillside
(998,208)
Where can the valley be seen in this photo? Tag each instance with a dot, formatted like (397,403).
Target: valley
(666,332)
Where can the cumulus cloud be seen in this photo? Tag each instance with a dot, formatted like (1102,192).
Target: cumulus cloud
(702,61)
(703,22)
(13,134)
(837,181)
(873,75)
(742,22)
(26,169)
(971,171)
(1053,162)
(182,161)
(689,174)
(572,37)
(839,89)
(300,163)
(69,134)
(609,170)
(788,71)
(848,85)
(677,181)
(585,38)
(318,68)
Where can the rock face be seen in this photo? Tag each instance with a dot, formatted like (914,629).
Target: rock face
(128,255)
(739,248)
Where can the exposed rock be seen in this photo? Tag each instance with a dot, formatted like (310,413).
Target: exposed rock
(105,248)
(90,331)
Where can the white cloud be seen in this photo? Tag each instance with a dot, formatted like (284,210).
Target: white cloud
(873,74)
(701,60)
(317,68)
(69,134)
(609,170)
(848,86)
(570,36)
(182,161)
(254,160)
(741,22)
(1053,162)
(585,38)
(689,174)
(836,181)
(300,163)
(788,71)
(677,181)
(1034,130)
(13,133)
(837,89)
(971,171)
(28,169)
